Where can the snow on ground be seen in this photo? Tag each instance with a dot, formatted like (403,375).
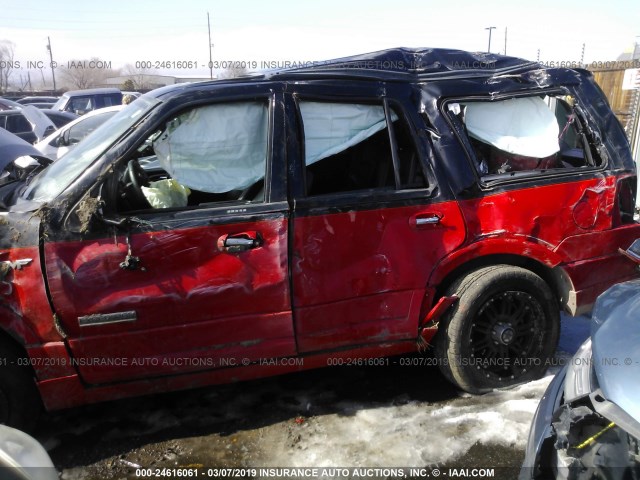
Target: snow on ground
(335,417)
(421,433)
(415,434)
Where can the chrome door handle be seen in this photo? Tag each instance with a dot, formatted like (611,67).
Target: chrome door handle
(239,242)
(434,220)
(426,219)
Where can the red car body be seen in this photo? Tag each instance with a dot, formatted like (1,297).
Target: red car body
(112,301)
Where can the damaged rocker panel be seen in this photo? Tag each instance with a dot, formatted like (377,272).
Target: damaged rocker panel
(106,318)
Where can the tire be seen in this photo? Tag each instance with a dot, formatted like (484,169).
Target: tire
(20,404)
(501,331)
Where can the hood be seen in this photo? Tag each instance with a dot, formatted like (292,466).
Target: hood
(42,126)
(13,147)
(616,345)
(17,159)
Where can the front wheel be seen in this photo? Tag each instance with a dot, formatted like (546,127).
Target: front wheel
(502,330)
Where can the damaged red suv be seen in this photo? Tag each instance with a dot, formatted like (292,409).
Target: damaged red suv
(357,208)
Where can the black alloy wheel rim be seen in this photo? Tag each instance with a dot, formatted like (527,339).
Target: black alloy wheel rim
(506,336)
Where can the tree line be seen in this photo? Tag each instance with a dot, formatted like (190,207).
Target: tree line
(73,75)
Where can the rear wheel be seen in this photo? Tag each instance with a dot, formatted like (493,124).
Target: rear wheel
(20,404)
(502,330)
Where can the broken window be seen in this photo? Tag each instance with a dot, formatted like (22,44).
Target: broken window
(523,134)
(348,148)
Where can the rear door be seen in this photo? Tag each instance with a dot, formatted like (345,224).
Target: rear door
(369,221)
(190,287)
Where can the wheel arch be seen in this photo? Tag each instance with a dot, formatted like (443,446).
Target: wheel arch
(16,343)
(12,340)
(16,329)
(539,260)
(20,397)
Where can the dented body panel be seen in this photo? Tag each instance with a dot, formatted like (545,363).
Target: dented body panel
(26,313)
(197,303)
(384,255)
(131,300)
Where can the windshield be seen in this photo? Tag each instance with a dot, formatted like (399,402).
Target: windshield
(62,101)
(58,176)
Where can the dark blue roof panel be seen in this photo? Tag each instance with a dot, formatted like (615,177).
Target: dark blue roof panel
(416,62)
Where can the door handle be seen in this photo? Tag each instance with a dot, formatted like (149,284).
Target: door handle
(426,219)
(239,242)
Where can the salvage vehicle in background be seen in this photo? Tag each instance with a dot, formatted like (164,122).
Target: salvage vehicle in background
(588,422)
(59,118)
(6,104)
(18,159)
(56,116)
(83,101)
(31,100)
(66,138)
(28,123)
(308,217)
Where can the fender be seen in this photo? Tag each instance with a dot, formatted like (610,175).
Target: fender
(499,243)
(25,313)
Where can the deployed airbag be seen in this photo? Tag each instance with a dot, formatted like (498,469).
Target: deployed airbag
(330,128)
(216,148)
(166,193)
(521,126)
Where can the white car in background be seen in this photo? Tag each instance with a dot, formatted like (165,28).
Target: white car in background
(66,138)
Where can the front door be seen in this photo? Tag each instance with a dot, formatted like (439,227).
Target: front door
(198,279)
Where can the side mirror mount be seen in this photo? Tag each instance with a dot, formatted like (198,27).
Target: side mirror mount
(63,140)
(49,130)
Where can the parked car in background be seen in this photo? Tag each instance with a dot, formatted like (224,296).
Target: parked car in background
(355,209)
(56,116)
(587,425)
(83,101)
(6,104)
(36,99)
(42,105)
(28,123)
(66,138)
(59,118)
(17,159)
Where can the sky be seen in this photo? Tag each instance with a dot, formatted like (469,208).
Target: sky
(265,34)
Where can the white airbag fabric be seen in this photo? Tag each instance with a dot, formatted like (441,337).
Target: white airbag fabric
(521,126)
(166,194)
(216,148)
(331,128)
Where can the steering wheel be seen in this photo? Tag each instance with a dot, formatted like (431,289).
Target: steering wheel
(136,178)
